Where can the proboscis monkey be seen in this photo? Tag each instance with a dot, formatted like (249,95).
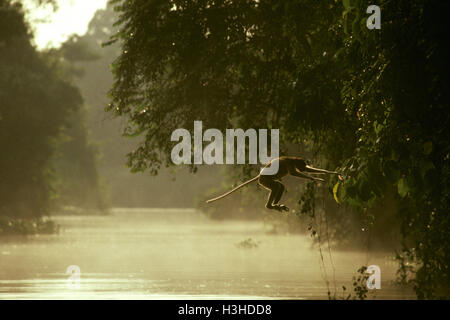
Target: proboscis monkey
(286,165)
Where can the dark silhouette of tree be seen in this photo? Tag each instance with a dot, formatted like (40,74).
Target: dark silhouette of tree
(396,92)
(40,119)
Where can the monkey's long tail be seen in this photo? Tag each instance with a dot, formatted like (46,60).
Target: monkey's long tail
(231,191)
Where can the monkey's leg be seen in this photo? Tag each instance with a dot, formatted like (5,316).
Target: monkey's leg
(278,195)
(269,203)
(321,171)
(271,185)
(279,192)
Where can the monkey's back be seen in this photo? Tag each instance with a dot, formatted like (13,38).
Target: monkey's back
(285,164)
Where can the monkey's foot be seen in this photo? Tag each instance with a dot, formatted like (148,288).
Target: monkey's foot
(281,207)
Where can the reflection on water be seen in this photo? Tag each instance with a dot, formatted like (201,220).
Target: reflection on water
(176,254)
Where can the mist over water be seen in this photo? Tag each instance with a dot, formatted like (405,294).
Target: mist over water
(178,254)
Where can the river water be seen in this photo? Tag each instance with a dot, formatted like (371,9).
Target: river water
(178,254)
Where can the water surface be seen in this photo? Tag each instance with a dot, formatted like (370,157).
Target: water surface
(178,254)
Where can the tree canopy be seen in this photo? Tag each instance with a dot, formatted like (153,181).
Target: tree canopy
(375,102)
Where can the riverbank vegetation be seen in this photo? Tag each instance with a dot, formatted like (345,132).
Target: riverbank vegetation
(46,158)
(372,104)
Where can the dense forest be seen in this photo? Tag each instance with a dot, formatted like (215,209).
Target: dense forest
(369,103)
(373,102)
(61,153)
(47,161)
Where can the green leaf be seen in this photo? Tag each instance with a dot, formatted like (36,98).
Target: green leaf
(346,4)
(378,127)
(351,191)
(403,187)
(425,167)
(364,190)
(335,191)
(427,147)
(355,28)
(391,171)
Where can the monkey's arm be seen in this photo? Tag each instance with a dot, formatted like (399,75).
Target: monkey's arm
(321,171)
(318,171)
(299,174)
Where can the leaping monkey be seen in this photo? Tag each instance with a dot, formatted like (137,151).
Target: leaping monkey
(286,165)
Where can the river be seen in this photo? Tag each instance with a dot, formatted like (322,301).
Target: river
(178,254)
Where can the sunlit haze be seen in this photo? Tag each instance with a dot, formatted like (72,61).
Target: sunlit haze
(224,150)
(53,28)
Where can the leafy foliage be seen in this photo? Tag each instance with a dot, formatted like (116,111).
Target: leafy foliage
(374,102)
(396,90)
(38,103)
(241,61)
(360,290)
(34,105)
